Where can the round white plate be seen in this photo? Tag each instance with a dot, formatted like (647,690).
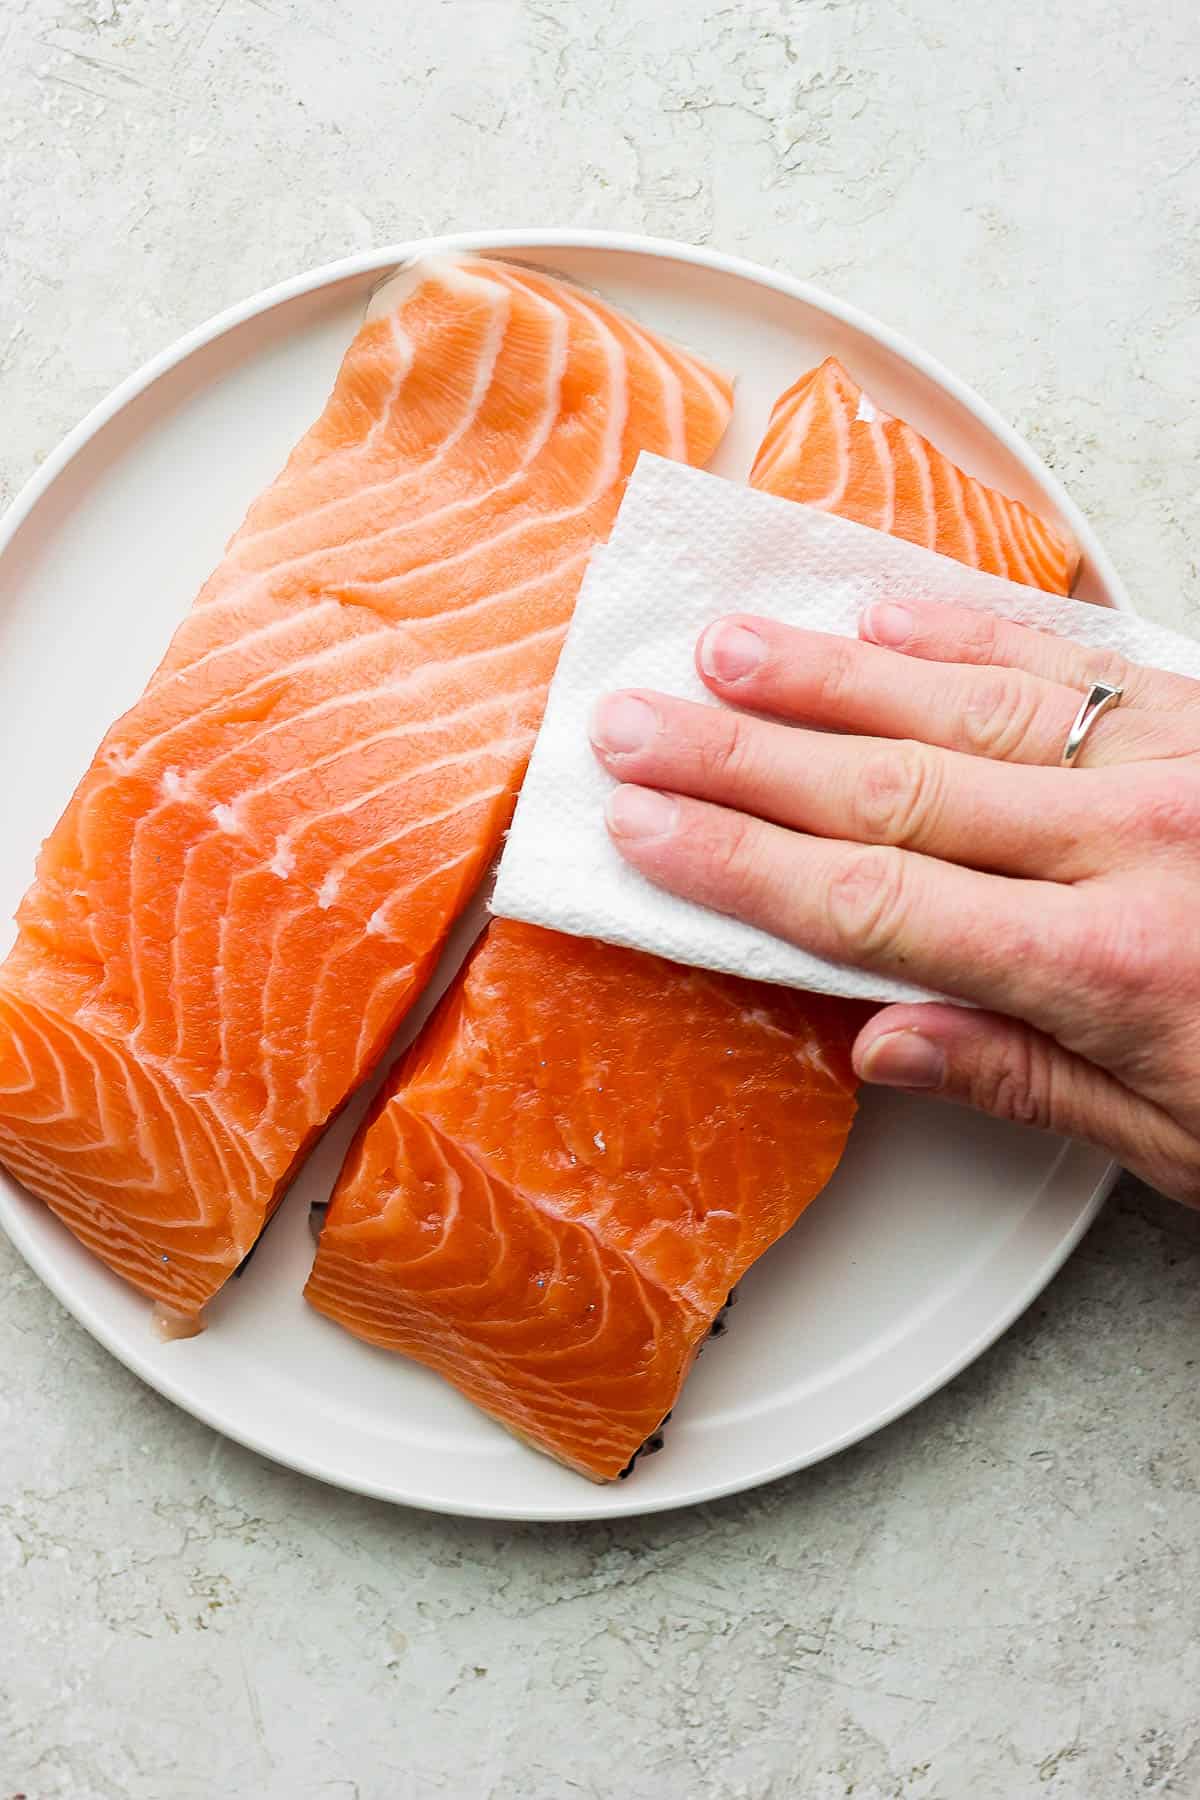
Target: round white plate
(938,1229)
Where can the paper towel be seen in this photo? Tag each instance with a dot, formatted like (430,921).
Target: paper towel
(686,548)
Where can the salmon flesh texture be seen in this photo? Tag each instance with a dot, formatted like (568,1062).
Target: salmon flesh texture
(589,1146)
(830,446)
(255,875)
(580,1155)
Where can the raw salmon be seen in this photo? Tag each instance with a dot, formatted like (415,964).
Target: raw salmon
(830,446)
(254,877)
(589,1146)
(580,1156)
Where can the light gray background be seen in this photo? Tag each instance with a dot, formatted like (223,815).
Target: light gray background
(998,1596)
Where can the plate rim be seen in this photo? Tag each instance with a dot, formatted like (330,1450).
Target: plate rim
(383,260)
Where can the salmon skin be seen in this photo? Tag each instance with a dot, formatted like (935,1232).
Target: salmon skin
(830,446)
(254,878)
(579,1157)
(589,1146)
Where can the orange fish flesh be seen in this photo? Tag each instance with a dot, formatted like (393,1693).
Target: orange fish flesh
(255,876)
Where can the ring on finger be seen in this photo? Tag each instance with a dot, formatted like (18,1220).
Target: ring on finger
(1100,699)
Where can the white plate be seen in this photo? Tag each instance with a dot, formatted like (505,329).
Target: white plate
(939,1227)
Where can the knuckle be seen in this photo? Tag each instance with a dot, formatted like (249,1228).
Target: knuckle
(978,638)
(1164,812)
(837,674)
(999,715)
(725,750)
(1108,666)
(732,868)
(896,793)
(1124,952)
(1018,1084)
(866,901)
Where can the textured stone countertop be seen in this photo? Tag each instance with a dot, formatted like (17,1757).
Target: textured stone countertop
(998,1596)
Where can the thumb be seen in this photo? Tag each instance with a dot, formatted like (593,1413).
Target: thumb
(1006,1068)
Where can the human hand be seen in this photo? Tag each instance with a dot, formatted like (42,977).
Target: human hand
(949,848)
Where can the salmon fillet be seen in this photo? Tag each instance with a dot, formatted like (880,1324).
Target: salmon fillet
(830,446)
(589,1146)
(256,874)
(579,1157)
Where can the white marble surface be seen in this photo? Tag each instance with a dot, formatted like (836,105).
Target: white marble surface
(997,1597)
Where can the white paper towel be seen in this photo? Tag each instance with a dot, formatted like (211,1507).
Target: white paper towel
(686,548)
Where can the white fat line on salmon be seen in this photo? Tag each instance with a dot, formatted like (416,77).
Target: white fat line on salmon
(867,412)
(485,365)
(263,988)
(304,619)
(394,485)
(361,450)
(1023,524)
(670,380)
(416,670)
(173,785)
(475,755)
(283,860)
(103,1233)
(402,634)
(955,480)
(382,1012)
(482,550)
(94,1050)
(282,863)
(377,923)
(134,1062)
(31,1084)
(352,751)
(918,452)
(675,358)
(264,578)
(462,271)
(786,436)
(986,515)
(132,761)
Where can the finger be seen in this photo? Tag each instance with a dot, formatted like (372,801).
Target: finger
(964,809)
(957,634)
(818,679)
(1008,1069)
(987,938)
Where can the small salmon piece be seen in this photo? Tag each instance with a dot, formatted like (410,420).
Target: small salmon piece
(830,446)
(255,876)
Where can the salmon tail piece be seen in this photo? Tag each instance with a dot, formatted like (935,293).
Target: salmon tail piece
(255,875)
(830,446)
(589,1147)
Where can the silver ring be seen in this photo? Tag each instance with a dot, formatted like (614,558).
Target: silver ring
(1101,698)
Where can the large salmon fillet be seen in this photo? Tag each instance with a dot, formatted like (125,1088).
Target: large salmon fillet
(589,1146)
(255,875)
(830,446)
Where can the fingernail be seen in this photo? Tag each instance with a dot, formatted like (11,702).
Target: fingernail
(888,624)
(731,652)
(621,723)
(903,1059)
(640,813)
